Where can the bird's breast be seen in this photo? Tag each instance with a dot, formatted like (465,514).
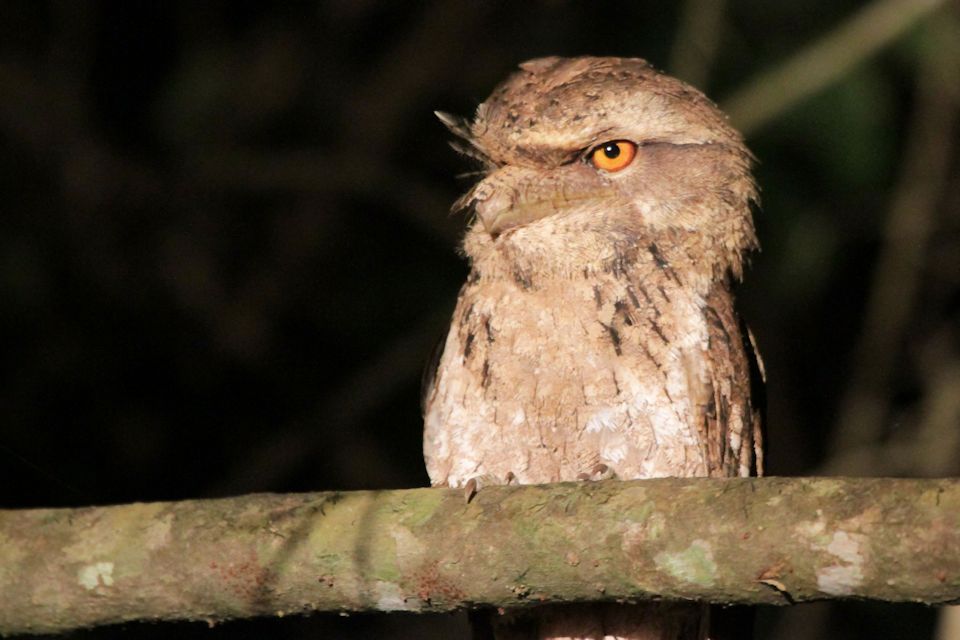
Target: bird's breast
(547,383)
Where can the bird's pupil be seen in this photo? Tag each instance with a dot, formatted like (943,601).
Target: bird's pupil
(611,151)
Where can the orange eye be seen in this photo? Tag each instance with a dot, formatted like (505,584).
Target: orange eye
(613,156)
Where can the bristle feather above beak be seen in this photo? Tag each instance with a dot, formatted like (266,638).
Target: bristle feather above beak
(458,126)
(467,145)
(473,152)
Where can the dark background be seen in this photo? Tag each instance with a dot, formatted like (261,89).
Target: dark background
(226,248)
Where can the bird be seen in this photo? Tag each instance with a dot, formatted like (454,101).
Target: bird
(596,335)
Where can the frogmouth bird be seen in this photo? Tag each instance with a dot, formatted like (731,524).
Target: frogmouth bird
(596,336)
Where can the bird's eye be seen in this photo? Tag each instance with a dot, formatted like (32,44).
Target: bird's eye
(613,156)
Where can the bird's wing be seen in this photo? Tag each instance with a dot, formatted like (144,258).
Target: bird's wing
(429,374)
(728,402)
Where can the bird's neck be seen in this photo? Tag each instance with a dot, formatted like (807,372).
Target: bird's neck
(545,259)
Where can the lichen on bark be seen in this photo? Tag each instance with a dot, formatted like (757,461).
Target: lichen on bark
(767,541)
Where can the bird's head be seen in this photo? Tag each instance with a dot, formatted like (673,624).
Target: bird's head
(585,157)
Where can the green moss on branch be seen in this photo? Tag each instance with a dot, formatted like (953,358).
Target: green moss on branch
(769,541)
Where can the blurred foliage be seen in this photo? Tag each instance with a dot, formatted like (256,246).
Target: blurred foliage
(226,249)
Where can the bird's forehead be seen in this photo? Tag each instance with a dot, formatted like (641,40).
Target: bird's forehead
(552,107)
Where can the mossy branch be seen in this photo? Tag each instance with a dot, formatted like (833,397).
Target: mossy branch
(764,541)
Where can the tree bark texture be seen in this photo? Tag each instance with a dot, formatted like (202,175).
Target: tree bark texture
(761,541)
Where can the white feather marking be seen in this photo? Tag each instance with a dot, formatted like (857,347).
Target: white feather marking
(603,420)
(614,451)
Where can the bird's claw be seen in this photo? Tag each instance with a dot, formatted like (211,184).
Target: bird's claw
(474,484)
(470,489)
(599,471)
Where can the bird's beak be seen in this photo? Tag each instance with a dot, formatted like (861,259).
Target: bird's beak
(508,198)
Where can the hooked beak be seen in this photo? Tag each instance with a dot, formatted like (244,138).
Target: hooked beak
(508,198)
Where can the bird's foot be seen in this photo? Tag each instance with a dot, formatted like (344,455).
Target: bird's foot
(474,484)
(599,471)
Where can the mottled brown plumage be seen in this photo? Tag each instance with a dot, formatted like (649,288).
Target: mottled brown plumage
(596,333)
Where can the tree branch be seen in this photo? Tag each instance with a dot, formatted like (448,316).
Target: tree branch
(769,541)
(696,41)
(823,62)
